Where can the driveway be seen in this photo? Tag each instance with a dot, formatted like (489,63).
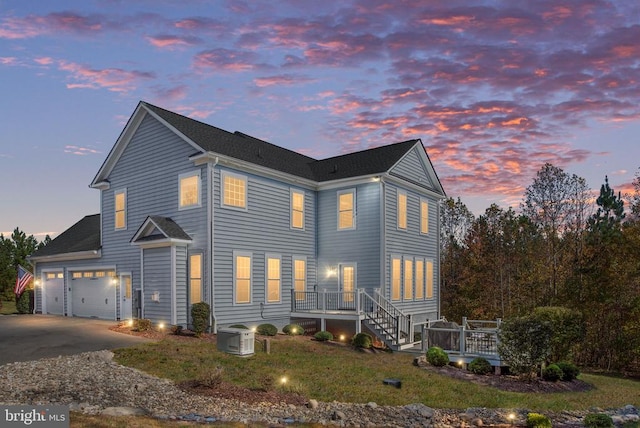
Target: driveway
(31,337)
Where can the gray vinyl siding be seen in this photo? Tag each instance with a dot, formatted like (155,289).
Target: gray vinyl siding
(410,243)
(157,278)
(263,228)
(148,169)
(360,245)
(413,169)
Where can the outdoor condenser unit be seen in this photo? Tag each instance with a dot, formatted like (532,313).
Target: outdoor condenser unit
(236,341)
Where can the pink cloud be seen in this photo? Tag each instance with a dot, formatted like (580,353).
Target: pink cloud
(167,41)
(113,79)
(8,60)
(59,22)
(281,80)
(80,151)
(45,60)
(226,60)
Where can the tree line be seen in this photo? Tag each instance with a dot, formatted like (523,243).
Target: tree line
(559,250)
(13,252)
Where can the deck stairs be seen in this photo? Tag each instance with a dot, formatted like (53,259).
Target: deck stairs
(387,322)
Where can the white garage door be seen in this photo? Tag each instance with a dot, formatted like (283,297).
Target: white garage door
(93,294)
(54,293)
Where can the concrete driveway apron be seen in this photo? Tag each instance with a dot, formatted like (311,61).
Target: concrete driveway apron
(31,337)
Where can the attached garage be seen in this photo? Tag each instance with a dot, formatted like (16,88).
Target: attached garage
(53,292)
(93,294)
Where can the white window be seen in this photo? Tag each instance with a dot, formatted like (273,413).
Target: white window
(402,210)
(419,279)
(234,190)
(297,209)
(195,278)
(274,275)
(242,277)
(348,282)
(299,277)
(347,209)
(120,204)
(408,279)
(424,216)
(396,272)
(189,188)
(429,279)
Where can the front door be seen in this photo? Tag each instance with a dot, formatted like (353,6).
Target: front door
(126,297)
(348,284)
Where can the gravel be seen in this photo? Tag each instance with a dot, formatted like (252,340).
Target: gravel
(93,383)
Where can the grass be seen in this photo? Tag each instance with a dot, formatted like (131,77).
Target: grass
(8,307)
(330,372)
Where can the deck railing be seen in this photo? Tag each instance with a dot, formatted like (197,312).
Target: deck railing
(387,319)
(473,337)
(325,301)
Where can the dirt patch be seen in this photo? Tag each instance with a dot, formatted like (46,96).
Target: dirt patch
(234,392)
(511,383)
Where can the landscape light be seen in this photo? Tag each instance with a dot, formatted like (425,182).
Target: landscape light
(342,338)
(161,326)
(283,380)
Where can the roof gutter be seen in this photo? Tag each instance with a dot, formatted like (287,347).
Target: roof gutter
(80,255)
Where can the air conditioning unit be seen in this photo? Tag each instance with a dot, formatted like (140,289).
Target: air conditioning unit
(236,341)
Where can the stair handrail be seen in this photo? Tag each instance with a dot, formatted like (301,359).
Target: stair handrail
(395,321)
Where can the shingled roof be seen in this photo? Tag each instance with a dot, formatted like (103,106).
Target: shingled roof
(245,147)
(84,236)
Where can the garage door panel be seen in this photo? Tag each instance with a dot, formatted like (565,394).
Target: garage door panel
(54,296)
(93,297)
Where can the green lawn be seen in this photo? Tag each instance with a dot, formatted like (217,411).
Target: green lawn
(330,372)
(8,307)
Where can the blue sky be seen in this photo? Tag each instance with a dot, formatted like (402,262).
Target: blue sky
(493,88)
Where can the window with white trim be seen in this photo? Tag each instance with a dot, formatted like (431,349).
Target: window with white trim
(242,278)
(396,275)
(274,276)
(120,209)
(419,279)
(429,279)
(408,278)
(299,277)
(234,190)
(402,210)
(346,209)
(189,189)
(195,278)
(297,209)
(424,216)
(348,282)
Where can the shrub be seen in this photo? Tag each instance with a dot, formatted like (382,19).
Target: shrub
(569,371)
(536,420)
(323,336)
(292,329)
(362,340)
(480,366)
(567,326)
(200,313)
(437,357)
(598,420)
(24,302)
(210,378)
(242,326)
(141,324)
(525,344)
(552,373)
(267,330)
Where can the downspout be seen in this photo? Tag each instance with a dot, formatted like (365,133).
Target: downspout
(438,238)
(35,301)
(383,237)
(210,213)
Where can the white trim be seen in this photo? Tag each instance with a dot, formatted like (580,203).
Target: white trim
(174,284)
(142,314)
(183,176)
(235,298)
(115,193)
(223,175)
(354,208)
(266,279)
(80,255)
(293,191)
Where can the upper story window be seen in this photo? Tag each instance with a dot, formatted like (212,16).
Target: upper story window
(346,209)
(402,210)
(234,190)
(189,184)
(297,209)
(120,203)
(424,216)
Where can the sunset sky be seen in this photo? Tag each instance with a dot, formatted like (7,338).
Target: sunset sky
(493,88)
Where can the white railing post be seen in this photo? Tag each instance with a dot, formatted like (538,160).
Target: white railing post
(324,300)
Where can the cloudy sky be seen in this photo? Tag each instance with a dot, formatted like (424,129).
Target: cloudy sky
(493,88)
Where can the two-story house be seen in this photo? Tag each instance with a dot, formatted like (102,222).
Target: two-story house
(190,213)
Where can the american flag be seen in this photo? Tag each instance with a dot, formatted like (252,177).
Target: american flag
(24,277)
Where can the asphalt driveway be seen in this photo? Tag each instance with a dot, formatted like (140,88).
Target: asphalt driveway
(31,337)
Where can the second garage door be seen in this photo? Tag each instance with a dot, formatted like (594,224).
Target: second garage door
(93,294)
(54,293)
